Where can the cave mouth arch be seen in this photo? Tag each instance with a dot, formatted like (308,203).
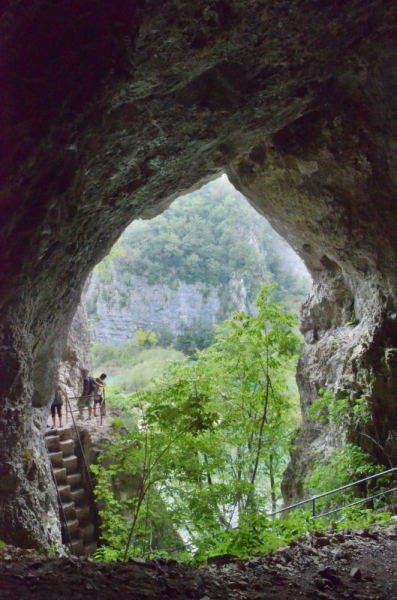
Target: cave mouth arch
(108,119)
(194,256)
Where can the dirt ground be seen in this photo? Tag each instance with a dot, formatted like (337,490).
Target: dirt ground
(359,566)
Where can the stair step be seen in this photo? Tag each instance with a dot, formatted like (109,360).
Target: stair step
(70,463)
(60,476)
(73,479)
(78,547)
(64,492)
(87,532)
(83,513)
(90,548)
(78,496)
(67,447)
(72,525)
(57,459)
(65,433)
(69,510)
(52,442)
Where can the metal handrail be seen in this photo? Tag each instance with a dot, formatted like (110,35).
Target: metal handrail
(103,403)
(81,447)
(340,489)
(330,512)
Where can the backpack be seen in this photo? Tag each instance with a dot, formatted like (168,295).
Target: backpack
(91,385)
(58,398)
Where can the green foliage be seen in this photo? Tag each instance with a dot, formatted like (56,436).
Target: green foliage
(208,446)
(327,407)
(358,517)
(2,544)
(344,464)
(360,412)
(104,355)
(146,339)
(135,464)
(138,373)
(111,508)
(212,442)
(108,554)
(339,411)
(195,337)
(351,321)
(117,423)
(347,463)
(191,242)
(164,336)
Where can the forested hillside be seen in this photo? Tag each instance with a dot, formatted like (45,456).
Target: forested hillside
(191,267)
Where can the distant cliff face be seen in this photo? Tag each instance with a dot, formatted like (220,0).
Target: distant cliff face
(204,258)
(122,307)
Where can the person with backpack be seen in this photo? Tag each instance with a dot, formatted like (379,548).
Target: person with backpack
(98,395)
(87,397)
(56,406)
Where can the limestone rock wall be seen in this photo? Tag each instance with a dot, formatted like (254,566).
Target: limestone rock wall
(76,353)
(321,186)
(123,307)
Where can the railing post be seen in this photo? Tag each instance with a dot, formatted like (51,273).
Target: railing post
(314,507)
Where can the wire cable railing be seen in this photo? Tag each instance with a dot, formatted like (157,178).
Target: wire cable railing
(86,471)
(313,499)
(102,406)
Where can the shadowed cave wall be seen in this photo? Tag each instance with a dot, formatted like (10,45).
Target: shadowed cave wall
(111,110)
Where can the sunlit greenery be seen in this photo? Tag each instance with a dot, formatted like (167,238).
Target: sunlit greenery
(197,466)
(213,436)
(130,369)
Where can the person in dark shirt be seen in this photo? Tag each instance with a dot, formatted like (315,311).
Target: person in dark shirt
(87,397)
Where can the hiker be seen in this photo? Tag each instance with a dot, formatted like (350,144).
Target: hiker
(86,399)
(98,396)
(57,404)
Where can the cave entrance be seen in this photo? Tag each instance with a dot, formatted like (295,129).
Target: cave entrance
(155,299)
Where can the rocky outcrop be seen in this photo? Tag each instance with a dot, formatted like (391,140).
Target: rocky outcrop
(320,183)
(121,308)
(76,353)
(111,110)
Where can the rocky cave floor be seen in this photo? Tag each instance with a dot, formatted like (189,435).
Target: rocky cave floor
(332,566)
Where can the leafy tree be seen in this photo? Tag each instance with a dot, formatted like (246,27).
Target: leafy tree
(146,339)
(195,337)
(214,433)
(164,336)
